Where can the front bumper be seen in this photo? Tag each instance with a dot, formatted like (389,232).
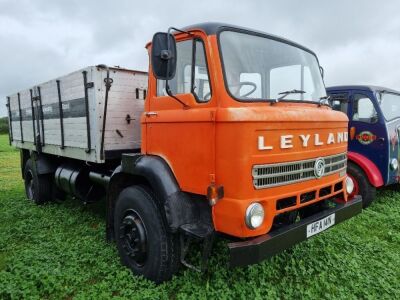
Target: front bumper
(259,248)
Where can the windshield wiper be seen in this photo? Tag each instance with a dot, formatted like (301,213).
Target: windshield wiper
(285,93)
(325,101)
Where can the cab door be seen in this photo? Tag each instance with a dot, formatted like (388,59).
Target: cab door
(367,130)
(184,135)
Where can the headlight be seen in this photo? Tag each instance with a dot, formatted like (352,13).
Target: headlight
(394,164)
(349,185)
(254,215)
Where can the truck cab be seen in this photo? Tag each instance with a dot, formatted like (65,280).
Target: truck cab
(243,115)
(374,121)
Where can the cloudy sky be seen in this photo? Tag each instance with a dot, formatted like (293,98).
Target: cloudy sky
(356,41)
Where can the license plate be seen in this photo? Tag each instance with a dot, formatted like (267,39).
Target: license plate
(320,225)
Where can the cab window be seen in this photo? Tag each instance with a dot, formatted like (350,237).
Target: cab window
(363,109)
(191,72)
(250,85)
(296,76)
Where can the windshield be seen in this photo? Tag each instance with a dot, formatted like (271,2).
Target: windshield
(259,68)
(390,105)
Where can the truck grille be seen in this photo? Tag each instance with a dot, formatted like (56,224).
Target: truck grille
(270,175)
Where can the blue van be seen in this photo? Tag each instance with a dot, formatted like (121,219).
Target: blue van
(374,128)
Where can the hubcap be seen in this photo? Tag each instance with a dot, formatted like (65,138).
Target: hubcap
(132,234)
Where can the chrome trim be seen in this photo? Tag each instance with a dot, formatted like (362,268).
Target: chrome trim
(271,175)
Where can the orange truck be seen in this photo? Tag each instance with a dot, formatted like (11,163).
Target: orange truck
(229,134)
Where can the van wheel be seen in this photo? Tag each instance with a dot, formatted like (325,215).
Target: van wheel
(38,188)
(143,241)
(361,185)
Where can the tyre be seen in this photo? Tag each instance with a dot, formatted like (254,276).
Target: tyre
(38,188)
(362,185)
(144,243)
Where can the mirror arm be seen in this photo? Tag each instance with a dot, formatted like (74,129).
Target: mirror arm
(185,106)
(179,30)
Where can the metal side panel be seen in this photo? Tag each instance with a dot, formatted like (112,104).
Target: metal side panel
(60,99)
(64,116)
(124,108)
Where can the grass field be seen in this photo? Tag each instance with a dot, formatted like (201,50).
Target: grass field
(58,251)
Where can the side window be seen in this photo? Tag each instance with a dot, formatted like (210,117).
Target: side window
(363,109)
(191,72)
(180,84)
(201,84)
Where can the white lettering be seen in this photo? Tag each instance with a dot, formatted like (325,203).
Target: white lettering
(317,142)
(261,144)
(340,137)
(331,139)
(305,139)
(286,141)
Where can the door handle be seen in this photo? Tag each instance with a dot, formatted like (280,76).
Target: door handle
(151,113)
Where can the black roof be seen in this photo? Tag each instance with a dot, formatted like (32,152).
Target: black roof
(211,28)
(373,88)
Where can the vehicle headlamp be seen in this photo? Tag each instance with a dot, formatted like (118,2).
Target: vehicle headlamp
(254,215)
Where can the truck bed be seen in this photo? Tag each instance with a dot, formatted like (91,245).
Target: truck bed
(64,117)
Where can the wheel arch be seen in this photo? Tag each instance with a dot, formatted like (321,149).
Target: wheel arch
(370,169)
(42,163)
(153,171)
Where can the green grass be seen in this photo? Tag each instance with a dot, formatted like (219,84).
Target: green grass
(58,251)
(3,125)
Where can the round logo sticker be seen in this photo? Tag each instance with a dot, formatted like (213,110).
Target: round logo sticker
(366,137)
(319,167)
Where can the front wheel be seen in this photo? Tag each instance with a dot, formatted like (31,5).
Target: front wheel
(362,185)
(143,241)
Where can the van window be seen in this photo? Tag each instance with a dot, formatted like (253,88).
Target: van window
(390,105)
(364,110)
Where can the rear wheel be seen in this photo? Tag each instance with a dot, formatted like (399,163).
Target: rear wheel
(362,185)
(38,188)
(143,241)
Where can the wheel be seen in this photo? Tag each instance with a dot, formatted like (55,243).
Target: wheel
(362,185)
(143,241)
(38,188)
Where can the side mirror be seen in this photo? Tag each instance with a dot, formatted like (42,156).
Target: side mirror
(163,55)
(321,69)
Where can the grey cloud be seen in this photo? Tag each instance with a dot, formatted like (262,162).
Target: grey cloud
(356,41)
